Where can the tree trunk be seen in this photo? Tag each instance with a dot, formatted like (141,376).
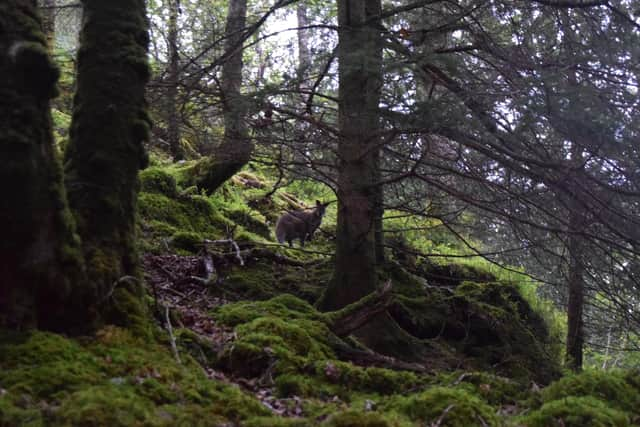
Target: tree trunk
(41,269)
(575,282)
(378,213)
(360,58)
(575,326)
(49,21)
(304,53)
(236,148)
(109,125)
(173,78)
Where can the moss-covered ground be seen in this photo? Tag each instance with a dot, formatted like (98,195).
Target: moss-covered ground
(254,351)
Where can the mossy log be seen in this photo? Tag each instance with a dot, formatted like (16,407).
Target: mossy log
(41,268)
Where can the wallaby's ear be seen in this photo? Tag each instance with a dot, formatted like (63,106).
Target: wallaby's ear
(318,203)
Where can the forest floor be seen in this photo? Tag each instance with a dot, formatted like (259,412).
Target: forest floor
(229,336)
(175,282)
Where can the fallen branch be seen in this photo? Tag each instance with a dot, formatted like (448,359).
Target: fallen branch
(343,322)
(438,423)
(172,339)
(233,244)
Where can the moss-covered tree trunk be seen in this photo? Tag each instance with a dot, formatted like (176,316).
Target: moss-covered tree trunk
(109,125)
(236,148)
(360,57)
(41,272)
(173,78)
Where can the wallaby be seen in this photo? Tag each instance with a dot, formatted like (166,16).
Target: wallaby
(300,224)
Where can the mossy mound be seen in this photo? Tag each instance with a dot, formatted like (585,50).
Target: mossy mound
(114,379)
(490,325)
(453,407)
(158,180)
(264,278)
(284,332)
(289,339)
(577,412)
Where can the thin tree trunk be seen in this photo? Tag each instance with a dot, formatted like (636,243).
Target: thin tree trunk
(236,148)
(173,78)
(109,126)
(360,57)
(41,268)
(304,53)
(575,283)
(575,326)
(49,21)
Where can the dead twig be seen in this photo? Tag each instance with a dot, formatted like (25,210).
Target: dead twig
(172,338)
(438,422)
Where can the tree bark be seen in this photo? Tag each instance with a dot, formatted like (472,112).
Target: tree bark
(109,126)
(236,148)
(173,78)
(41,268)
(49,22)
(378,224)
(360,58)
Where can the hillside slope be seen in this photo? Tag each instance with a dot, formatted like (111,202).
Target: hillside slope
(228,335)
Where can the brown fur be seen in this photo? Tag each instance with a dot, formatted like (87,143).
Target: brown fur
(300,224)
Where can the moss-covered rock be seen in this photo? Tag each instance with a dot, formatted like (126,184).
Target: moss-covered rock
(574,411)
(268,336)
(453,407)
(612,387)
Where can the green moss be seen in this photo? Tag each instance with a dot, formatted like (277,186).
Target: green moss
(283,306)
(494,389)
(358,419)
(43,365)
(291,384)
(127,308)
(157,180)
(452,407)
(372,379)
(576,412)
(502,328)
(610,387)
(276,422)
(251,221)
(187,241)
(262,278)
(111,379)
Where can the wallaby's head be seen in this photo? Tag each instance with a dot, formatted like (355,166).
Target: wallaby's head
(320,209)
